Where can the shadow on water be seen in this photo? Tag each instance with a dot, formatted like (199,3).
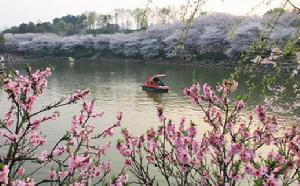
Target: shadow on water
(157,97)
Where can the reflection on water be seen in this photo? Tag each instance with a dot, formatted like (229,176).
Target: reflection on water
(116,86)
(157,97)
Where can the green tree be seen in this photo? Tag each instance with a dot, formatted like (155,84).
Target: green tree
(99,21)
(91,19)
(81,22)
(103,20)
(27,28)
(61,27)
(23,28)
(13,30)
(164,15)
(44,27)
(2,40)
(275,11)
(138,14)
(30,27)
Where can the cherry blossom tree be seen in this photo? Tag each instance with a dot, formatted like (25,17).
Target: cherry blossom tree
(74,159)
(239,146)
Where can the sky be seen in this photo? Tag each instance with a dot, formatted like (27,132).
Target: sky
(14,12)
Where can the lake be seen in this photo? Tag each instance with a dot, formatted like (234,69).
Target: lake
(116,86)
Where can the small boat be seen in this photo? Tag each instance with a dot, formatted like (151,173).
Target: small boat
(2,62)
(70,59)
(154,84)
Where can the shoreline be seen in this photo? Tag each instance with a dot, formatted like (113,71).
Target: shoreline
(211,63)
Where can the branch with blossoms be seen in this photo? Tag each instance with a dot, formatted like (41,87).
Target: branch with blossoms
(228,153)
(74,158)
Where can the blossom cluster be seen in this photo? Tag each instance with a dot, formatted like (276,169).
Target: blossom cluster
(73,160)
(228,153)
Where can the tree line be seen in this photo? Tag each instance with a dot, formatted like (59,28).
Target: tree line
(119,20)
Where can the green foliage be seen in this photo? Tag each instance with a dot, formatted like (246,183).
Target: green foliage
(258,182)
(289,49)
(27,28)
(138,14)
(2,40)
(274,11)
(271,163)
(2,166)
(103,20)
(67,136)
(164,13)
(61,27)
(66,25)
(44,27)
(94,23)
(91,19)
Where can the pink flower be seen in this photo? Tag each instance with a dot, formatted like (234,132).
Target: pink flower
(120,180)
(246,155)
(43,156)
(261,113)
(108,133)
(192,131)
(53,175)
(183,168)
(128,162)
(96,172)
(10,137)
(298,162)
(193,93)
(88,107)
(9,120)
(103,149)
(37,140)
(235,176)
(27,182)
(21,171)
(120,116)
(160,113)
(58,151)
(36,124)
(153,145)
(4,175)
(235,148)
(182,122)
(78,162)
(239,105)
(29,102)
(105,167)
(151,159)
(183,156)
(79,95)
(219,88)
(207,92)
(258,173)
(249,169)
(271,181)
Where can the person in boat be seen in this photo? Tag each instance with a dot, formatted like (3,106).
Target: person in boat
(158,82)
